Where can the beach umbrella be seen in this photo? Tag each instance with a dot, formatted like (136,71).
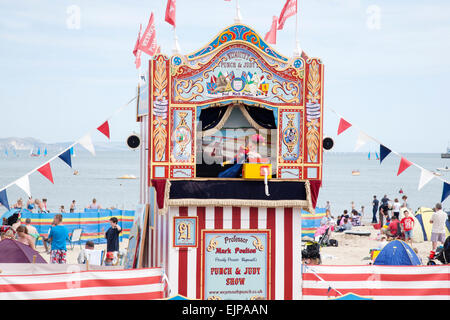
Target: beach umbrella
(12,251)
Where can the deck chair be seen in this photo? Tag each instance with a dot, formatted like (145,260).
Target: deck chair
(76,237)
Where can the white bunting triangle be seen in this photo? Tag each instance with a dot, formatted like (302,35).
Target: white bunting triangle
(24,184)
(86,142)
(362,140)
(425,177)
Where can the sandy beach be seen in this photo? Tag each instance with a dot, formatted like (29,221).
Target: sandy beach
(355,249)
(351,249)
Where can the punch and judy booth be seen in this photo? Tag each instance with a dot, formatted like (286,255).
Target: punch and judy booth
(234,146)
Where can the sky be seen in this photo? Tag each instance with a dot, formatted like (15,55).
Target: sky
(386,63)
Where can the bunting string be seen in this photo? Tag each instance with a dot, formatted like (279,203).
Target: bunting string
(64,155)
(425,176)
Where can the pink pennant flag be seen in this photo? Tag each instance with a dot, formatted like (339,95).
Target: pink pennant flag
(271,36)
(289,9)
(137,62)
(404,164)
(170,12)
(343,125)
(104,128)
(136,45)
(148,39)
(46,171)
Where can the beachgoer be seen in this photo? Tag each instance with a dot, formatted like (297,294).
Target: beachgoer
(44,204)
(30,204)
(18,204)
(393,228)
(374,209)
(347,225)
(62,210)
(32,231)
(112,236)
(396,208)
(109,259)
(24,237)
(328,206)
(344,215)
(438,220)
(362,211)
(407,224)
(356,218)
(384,212)
(353,205)
(58,235)
(327,220)
(45,240)
(40,206)
(6,232)
(83,256)
(94,205)
(382,243)
(405,202)
(384,200)
(72,206)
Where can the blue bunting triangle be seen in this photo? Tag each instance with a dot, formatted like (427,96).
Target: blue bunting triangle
(384,152)
(4,199)
(65,156)
(445,191)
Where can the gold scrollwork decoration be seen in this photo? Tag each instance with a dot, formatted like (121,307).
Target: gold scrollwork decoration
(289,88)
(181,86)
(214,298)
(212,244)
(160,80)
(312,139)
(159,141)
(258,244)
(313,82)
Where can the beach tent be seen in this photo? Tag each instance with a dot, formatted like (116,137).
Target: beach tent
(423,216)
(397,253)
(12,251)
(311,221)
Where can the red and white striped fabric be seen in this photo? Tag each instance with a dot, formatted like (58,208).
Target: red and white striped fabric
(377,282)
(183,267)
(133,284)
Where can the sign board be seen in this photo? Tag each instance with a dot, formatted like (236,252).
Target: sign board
(235,264)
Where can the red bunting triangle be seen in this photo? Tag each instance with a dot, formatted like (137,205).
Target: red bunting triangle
(104,128)
(343,125)
(46,171)
(404,164)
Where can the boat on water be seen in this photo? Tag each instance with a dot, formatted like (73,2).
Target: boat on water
(355,173)
(37,154)
(446,169)
(127,176)
(447,154)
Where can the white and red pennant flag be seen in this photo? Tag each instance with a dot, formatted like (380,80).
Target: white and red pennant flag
(136,51)
(289,9)
(271,36)
(147,43)
(170,12)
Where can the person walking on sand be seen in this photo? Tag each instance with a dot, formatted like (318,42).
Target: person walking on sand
(58,235)
(72,207)
(407,224)
(405,202)
(438,220)
(375,203)
(396,208)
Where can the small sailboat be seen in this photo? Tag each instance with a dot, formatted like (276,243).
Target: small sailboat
(376,155)
(6,152)
(45,152)
(368,156)
(72,152)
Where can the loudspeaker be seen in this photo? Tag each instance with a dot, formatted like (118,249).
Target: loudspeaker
(328,143)
(133,141)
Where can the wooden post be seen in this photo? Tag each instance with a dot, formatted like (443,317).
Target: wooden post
(34,259)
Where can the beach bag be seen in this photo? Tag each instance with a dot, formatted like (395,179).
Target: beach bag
(333,242)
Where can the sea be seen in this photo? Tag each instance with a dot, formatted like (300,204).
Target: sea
(98,178)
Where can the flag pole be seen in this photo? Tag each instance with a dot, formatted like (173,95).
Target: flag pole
(238,18)
(176,46)
(298,50)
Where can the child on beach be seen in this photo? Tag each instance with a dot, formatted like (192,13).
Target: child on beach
(109,258)
(24,237)
(407,224)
